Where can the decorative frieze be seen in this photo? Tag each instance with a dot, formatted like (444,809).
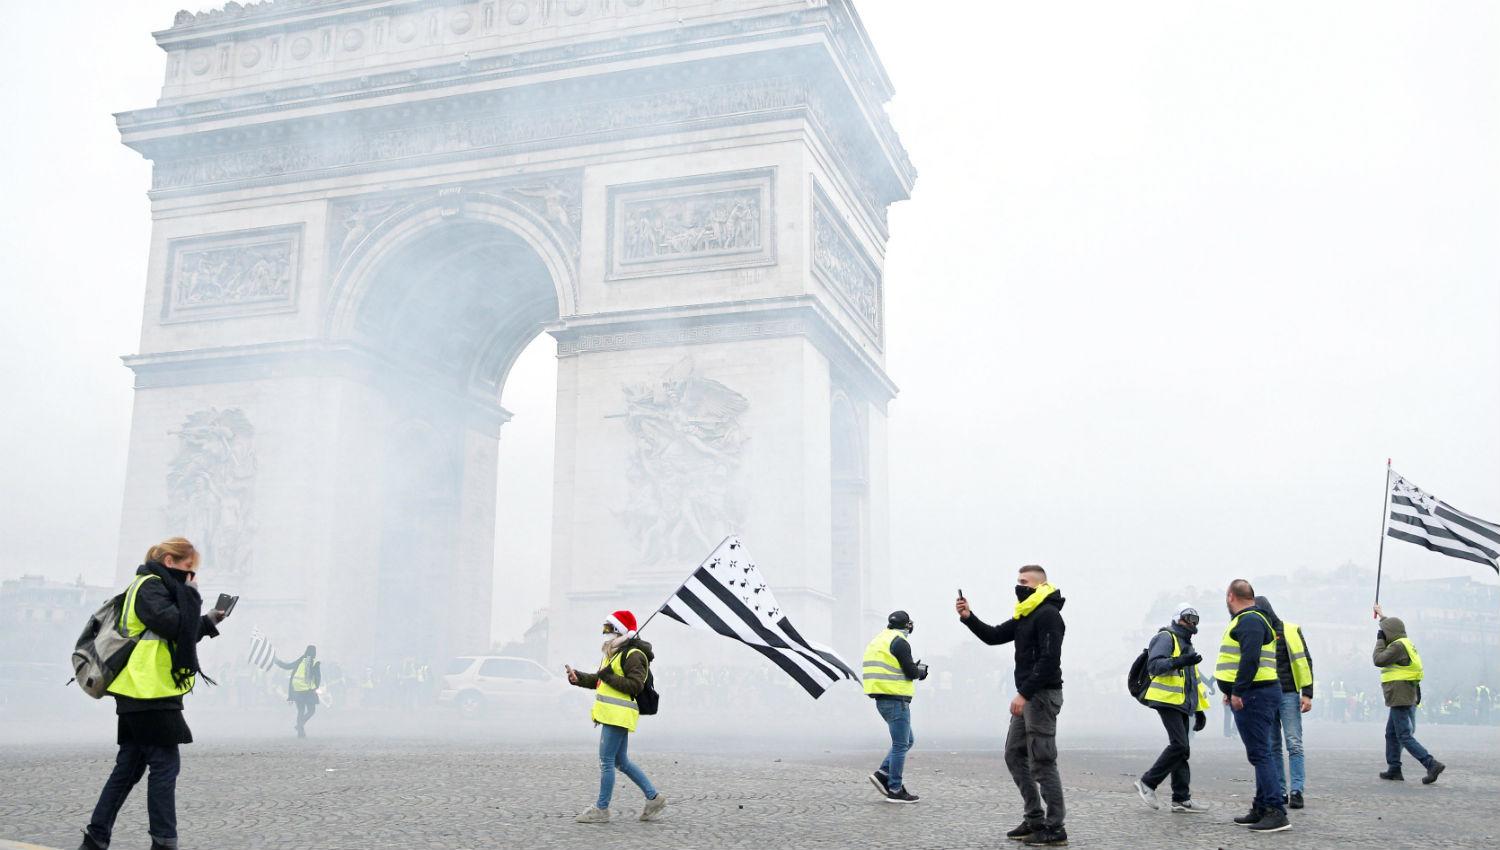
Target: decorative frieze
(844,267)
(679,334)
(694,224)
(244,273)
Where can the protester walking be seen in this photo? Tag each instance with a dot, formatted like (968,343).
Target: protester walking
(620,680)
(1295,673)
(1401,682)
(163,608)
(1177,692)
(890,676)
(1037,630)
(1246,671)
(302,687)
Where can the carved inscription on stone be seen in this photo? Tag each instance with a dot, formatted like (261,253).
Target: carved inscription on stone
(211,488)
(844,267)
(694,224)
(244,273)
(686,449)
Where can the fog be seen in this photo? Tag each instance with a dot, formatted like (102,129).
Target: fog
(1175,280)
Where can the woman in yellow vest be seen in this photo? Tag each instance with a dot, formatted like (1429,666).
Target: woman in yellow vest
(302,687)
(1401,682)
(621,677)
(163,608)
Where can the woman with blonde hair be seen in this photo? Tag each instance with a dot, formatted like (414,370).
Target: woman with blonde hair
(163,608)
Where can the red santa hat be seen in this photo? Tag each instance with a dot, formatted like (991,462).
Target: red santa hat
(624,622)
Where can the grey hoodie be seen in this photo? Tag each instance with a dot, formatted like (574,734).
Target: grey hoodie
(1388,653)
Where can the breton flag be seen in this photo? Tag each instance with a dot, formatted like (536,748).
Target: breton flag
(727,594)
(1420,518)
(262,652)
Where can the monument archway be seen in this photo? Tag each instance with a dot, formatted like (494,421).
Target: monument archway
(364,210)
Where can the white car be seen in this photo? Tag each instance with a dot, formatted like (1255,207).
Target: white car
(475,683)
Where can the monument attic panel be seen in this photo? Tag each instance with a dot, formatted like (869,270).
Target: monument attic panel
(245,273)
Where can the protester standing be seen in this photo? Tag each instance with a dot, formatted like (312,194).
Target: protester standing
(1177,693)
(302,687)
(619,681)
(1295,673)
(890,676)
(1401,683)
(1246,671)
(163,608)
(1037,630)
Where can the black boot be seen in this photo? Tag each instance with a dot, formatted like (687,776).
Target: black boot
(1394,774)
(1251,817)
(1020,832)
(1274,820)
(1432,772)
(89,843)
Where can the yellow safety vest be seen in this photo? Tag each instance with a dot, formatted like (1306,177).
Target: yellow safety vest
(1229,654)
(1410,672)
(1171,688)
(148,673)
(614,707)
(302,679)
(882,672)
(1296,652)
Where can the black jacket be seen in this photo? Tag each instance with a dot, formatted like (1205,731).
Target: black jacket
(1283,655)
(1252,632)
(1038,638)
(173,610)
(901,648)
(1159,663)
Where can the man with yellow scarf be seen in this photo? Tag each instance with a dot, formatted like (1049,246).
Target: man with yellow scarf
(1031,743)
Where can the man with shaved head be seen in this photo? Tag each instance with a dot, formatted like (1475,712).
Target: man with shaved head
(1246,672)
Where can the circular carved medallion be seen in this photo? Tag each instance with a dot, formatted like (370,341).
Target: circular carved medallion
(406,30)
(200,63)
(301,47)
(461,23)
(354,39)
(575,7)
(517,14)
(634,2)
(249,56)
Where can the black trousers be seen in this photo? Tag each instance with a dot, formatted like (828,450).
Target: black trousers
(1173,761)
(161,792)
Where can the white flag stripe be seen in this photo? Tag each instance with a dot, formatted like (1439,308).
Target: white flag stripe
(1421,518)
(746,633)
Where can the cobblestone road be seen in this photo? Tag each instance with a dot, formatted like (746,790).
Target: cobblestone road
(355,792)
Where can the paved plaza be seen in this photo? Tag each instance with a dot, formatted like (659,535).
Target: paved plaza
(360,791)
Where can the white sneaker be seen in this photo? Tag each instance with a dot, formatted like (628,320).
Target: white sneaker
(654,806)
(593,814)
(1147,794)
(1188,807)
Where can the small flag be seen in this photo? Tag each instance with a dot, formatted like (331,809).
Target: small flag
(262,652)
(1420,518)
(727,594)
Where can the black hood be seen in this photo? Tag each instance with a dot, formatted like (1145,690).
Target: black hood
(1055,598)
(1264,605)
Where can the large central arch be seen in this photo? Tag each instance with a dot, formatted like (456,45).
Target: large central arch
(364,212)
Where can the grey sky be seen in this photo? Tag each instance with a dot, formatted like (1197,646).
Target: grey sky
(1175,281)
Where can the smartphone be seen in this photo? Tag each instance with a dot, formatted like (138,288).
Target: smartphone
(226,603)
(960,593)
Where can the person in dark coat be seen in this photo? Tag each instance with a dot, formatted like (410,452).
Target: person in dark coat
(150,730)
(302,686)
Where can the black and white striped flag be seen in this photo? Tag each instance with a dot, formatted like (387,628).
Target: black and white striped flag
(1420,518)
(262,653)
(727,594)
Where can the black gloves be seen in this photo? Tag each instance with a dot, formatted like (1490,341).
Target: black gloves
(1187,661)
(1200,720)
(921,671)
(1380,634)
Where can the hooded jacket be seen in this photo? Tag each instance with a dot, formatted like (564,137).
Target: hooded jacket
(1038,638)
(636,666)
(1283,653)
(1388,653)
(1159,663)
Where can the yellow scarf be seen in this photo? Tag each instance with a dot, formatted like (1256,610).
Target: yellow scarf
(1043,591)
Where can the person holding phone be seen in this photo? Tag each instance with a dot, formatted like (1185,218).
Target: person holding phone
(163,608)
(302,688)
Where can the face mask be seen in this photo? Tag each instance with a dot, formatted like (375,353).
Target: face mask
(1023,592)
(1191,628)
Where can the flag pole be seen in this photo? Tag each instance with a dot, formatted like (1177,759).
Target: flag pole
(1385,505)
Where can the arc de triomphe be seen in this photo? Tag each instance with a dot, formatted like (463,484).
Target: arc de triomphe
(365,209)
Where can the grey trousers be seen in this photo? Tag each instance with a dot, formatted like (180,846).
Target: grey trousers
(1031,755)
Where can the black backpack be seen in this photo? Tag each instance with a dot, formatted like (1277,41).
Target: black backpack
(1138,679)
(648,700)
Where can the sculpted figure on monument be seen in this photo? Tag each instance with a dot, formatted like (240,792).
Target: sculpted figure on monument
(211,487)
(686,453)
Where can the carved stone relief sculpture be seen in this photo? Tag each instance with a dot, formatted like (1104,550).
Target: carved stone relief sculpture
(845,268)
(690,225)
(211,488)
(235,274)
(686,448)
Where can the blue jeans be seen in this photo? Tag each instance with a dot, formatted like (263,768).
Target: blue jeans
(1400,731)
(161,792)
(897,714)
(614,741)
(1291,728)
(1257,723)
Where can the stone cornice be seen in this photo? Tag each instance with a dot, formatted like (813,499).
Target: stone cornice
(767,318)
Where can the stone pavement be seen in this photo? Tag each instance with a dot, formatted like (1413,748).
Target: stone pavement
(357,792)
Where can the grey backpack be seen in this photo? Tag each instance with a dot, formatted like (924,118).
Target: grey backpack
(103,649)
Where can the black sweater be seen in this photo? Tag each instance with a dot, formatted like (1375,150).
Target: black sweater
(1038,638)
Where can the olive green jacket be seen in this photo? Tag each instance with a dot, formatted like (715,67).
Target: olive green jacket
(1388,653)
